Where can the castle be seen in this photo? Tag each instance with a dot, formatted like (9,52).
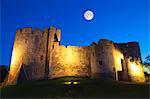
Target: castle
(38,55)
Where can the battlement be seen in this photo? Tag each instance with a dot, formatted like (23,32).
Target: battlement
(29,30)
(105,42)
(26,30)
(37,31)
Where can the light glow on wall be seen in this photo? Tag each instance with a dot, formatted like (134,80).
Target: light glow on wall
(15,56)
(70,71)
(69,55)
(117,59)
(69,61)
(136,71)
(16,62)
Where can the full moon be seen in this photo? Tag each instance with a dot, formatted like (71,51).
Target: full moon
(88,15)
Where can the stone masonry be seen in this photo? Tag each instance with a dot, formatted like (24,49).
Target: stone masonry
(38,55)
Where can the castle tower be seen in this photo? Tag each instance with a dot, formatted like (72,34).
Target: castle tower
(53,42)
(54,37)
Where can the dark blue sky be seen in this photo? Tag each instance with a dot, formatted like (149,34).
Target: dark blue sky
(117,20)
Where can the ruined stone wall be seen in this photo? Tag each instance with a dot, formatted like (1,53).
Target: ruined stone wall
(131,52)
(16,59)
(106,58)
(69,61)
(41,56)
(134,50)
(29,51)
(135,70)
(118,56)
(131,49)
(133,60)
(94,63)
(34,58)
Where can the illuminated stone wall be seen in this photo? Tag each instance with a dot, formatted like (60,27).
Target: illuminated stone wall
(117,57)
(34,58)
(132,58)
(69,61)
(105,59)
(135,70)
(29,51)
(134,61)
(16,59)
(41,56)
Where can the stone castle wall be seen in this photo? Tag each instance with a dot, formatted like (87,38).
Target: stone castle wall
(135,71)
(70,61)
(28,52)
(38,54)
(35,56)
(132,57)
(106,57)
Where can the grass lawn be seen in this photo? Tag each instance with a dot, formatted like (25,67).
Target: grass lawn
(87,88)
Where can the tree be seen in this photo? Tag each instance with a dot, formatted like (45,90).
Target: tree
(146,65)
(147,61)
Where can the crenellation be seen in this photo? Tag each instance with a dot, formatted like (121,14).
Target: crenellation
(46,30)
(37,31)
(26,30)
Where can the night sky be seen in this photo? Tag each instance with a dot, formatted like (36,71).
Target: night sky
(117,20)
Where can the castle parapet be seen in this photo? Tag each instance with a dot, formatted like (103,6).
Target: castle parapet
(27,30)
